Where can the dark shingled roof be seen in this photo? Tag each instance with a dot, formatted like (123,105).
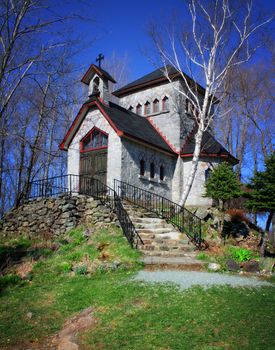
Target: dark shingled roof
(155,75)
(90,72)
(134,125)
(210,146)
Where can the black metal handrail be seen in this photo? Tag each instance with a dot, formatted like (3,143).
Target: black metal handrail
(83,184)
(179,216)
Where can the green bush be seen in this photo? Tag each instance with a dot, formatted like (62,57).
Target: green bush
(202,256)
(81,270)
(21,242)
(63,267)
(74,256)
(241,254)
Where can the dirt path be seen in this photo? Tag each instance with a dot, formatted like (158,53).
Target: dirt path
(65,339)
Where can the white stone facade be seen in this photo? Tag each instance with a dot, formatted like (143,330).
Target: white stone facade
(95,119)
(124,155)
(196,196)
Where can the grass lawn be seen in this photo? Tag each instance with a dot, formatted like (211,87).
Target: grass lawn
(130,315)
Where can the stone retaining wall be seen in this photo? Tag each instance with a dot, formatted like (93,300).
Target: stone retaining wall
(54,216)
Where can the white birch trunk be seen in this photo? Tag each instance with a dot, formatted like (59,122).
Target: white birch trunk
(194,167)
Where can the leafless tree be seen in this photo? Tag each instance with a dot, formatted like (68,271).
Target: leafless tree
(248,130)
(37,92)
(118,67)
(218,43)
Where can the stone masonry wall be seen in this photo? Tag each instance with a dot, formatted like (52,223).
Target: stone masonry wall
(169,121)
(54,216)
(132,153)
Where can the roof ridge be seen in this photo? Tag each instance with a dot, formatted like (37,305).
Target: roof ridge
(154,75)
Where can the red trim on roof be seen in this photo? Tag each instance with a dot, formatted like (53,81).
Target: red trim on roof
(165,139)
(217,155)
(62,144)
(203,154)
(120,133)
(107,117)
(98,71)
(85,106)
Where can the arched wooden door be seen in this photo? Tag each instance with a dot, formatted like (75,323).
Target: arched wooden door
(93,159)
(94,163)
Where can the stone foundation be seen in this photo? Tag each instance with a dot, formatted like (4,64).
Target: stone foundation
(54,216)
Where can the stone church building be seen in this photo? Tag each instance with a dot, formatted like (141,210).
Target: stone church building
(145,139)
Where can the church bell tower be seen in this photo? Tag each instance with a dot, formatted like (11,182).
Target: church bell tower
(98,81)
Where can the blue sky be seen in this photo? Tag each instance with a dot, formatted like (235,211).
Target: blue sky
(121,26)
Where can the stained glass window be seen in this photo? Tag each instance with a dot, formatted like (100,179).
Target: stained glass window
(147,108)
(142,167)
(96,139)
(161,173)
(156,106)
(152,170)
(138,109)
(165,104)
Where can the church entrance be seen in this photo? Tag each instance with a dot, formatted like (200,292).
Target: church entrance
(92,164)
(93,159)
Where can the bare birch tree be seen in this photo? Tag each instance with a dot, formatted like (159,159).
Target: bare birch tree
(219,41)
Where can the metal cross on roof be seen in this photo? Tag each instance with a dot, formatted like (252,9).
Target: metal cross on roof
(99,59)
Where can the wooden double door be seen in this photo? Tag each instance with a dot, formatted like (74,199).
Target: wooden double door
(93,164)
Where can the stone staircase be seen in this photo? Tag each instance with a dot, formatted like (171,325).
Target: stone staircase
(163,243)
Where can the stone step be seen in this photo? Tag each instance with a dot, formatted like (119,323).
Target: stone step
(160,239)
(164,247)
(148,220)
(168,254)
(142,213)
(184,263)
(162,230)
(154,225)
(172,235)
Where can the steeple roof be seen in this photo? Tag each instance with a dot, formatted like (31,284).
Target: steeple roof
(93,69)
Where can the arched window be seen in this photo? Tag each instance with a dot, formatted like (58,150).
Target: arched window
(186,105)
(207,174)
(152,170)
(138,109)
(95,86)
(95,139)
(156,106)
(147,108)
(165,103)
(142,167)
(161,173)
(131,108)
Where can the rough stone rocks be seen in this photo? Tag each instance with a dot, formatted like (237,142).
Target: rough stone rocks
(232,265)
(214,266)
(267,265)
(251,266)
(55,215)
